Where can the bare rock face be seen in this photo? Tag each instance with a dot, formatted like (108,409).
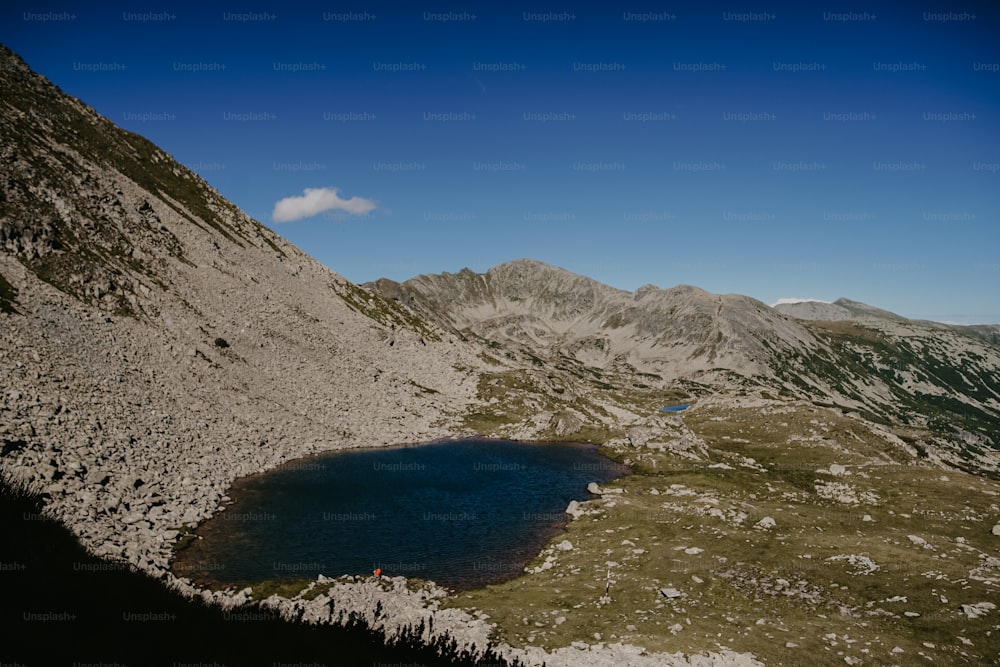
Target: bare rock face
(674,331)
(574,509)
(978,610)
(767,523)
(565,423)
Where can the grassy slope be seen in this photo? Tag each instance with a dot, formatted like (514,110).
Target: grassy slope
(761,590)
(8,296)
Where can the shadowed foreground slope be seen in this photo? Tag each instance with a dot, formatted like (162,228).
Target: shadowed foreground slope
(62,606)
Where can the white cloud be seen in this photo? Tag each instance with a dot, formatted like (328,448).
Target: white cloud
(317,200)
(794,300)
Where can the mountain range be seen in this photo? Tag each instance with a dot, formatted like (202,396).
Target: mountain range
(936,383)
(156,343)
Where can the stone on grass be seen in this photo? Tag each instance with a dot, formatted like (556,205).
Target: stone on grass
(573,509)
(978,610)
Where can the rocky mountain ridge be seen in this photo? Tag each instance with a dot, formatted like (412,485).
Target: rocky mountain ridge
(847,310)
(684,340)
(681,331)
(841,309)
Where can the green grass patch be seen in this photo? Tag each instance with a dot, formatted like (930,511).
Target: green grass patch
(383,310)
(8,296)
(184,539)
(286,588)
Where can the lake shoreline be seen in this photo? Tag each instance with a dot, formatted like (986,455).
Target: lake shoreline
(200,562)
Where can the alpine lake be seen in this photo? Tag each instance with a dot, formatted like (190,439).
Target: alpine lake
(462,513)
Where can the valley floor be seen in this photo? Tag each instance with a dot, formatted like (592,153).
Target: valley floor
(791,532)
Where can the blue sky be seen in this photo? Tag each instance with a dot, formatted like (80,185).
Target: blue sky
(768,149)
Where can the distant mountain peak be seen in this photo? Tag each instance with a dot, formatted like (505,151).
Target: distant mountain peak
(690,289)
(841,309)
(526,262)
(648,288)
(527,266)
(790,300)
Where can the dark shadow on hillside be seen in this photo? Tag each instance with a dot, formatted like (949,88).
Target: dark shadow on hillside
(62,606)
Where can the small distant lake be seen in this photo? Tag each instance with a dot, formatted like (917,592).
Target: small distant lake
(675,408)
(463,514)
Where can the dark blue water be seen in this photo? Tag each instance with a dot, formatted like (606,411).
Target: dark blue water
(463,514)
(675,408)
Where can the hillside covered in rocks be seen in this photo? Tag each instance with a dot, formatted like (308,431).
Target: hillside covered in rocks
(157,343)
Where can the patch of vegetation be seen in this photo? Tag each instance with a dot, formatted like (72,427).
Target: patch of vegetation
(49,146)
(383,310)
(265,235)
(286,588)
(798,592)
(184,539)
(423,389)
(966,388)
(535,360)
(515,396)
(493,361)
(221,343)
(486,423)
(316,591)
(8,296)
